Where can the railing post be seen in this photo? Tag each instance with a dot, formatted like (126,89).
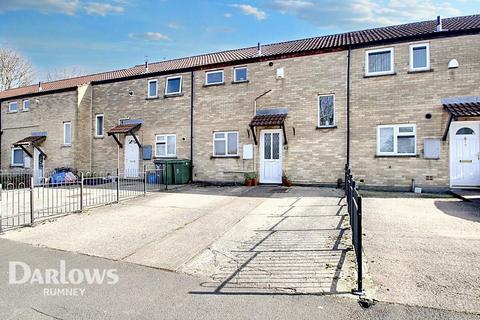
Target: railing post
(118,186)
(31,202)
(144,179)
(81,192)
(359,249)
(1,190)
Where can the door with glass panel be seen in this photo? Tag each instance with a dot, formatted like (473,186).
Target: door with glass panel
(271,156)
(465,154)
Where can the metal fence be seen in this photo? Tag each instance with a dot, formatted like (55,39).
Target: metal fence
(26,198)
(354,204)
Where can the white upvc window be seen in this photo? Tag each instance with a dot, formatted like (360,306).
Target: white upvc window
(225,144)
(99,125)
(240,74)
(399,139)
(165,145)
(214,77)
(13,106)
(173,85)
(26,105)
(379,62)
(18,157)
(419,57)
(152,90)
(67,133)
(326,110)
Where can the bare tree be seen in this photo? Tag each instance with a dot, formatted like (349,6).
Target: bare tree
(65,73)
(15,70)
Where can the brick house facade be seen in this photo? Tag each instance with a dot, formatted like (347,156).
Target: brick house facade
(393,116)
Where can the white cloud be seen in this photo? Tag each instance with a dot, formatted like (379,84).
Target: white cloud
(69,7)
(364,13)
(102,9)
(149,36)
(249,10)
(174,25)
(228,15)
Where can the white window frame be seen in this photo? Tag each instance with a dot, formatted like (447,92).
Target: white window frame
(396,134)
(226,155)
(65,143)
(420,45)
(96,125)
(167,155)
(379,73)
(10,106)
(166,85)
(235,74)
(148,88)
(318,111)
(212,83)
(13,158)
(23,105)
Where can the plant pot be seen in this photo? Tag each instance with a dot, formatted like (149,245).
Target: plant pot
(254,182)
(248,182)
(286,182)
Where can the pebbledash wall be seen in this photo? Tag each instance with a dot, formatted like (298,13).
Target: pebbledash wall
(312,155)
(406,98)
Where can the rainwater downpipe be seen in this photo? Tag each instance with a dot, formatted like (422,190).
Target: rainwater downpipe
(348,104)
(192,84)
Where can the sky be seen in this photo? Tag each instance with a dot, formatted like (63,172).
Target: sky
(93,35)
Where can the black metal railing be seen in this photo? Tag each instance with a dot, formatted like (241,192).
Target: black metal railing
(354,204)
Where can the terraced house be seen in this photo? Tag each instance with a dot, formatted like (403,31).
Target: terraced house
(400,104)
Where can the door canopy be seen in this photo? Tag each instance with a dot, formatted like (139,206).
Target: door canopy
(127,129)
(460,107)
(269,120)
(31,141)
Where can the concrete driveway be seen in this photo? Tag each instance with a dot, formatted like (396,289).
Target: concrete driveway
(424,252)
(235,238)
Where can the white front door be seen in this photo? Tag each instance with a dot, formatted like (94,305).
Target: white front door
(132,154)
(38,164)
(464,154)
(271,156)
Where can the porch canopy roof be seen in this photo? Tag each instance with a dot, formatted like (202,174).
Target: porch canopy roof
(125,128)
(468,106)
(266,120)
(31,141)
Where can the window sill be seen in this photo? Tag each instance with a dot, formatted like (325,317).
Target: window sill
(12,112)
(165,158)
(419,71)
(66,145)
(379,75)
(25,110)
(17,166)
(173,95)
(98,137)
(214,84)
(225,157)
(397,156)
(238,82)
(152,98)
(326,127)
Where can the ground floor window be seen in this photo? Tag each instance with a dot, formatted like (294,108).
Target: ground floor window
(165,145)
(397,139)
(17,157)
(225,144)
(67,133)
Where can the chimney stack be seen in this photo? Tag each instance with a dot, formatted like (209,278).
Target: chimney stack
(439,24)
(259,49)
(146,64)
(40,86)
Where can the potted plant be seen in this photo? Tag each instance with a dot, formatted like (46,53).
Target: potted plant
(286,180)
(254,179)
(248,180)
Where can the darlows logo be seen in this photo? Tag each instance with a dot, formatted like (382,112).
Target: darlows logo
(22,273)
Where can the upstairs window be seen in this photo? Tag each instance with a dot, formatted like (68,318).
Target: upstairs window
(225,144)
(67,133)
(396,139)
(99,125)
(419,57)
(326,110)
(379,62)
(18,157)
(13,106)
(152,88)
(173,85)
(214,77)
(165,145)
(26,105)
(240,74)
